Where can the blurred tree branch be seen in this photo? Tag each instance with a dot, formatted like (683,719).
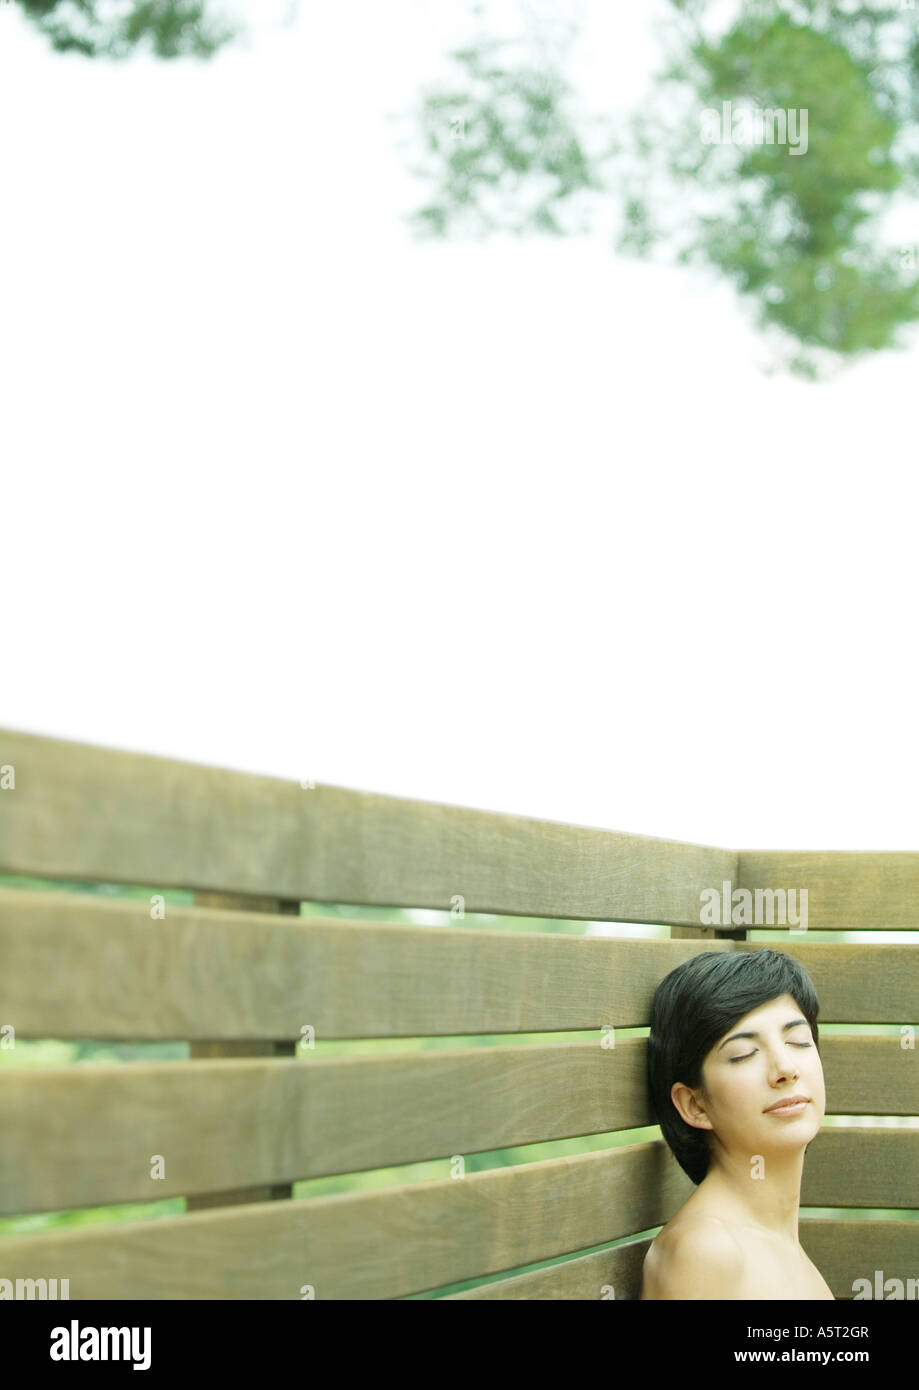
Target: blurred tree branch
(118,28)
(797,231)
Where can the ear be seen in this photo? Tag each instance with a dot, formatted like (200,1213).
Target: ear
(689,1106)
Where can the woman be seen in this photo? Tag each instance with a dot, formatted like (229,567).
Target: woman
(733,1043)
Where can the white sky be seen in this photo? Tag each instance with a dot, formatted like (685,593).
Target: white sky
(515,525)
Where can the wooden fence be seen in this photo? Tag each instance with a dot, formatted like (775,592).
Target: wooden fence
(248,982)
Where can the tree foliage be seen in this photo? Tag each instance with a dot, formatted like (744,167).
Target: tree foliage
(118,28)
(799,232)
(507,152)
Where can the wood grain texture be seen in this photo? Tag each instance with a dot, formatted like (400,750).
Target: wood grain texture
(611,1275)
(86,812)
(77,966)
(845,889)
(846,1250)
(378,1244)
(82,966)
(859,982)
(843,1250)
(411,1239)
(862,1166)
(83,1136)
(247,1116)
(210,1050)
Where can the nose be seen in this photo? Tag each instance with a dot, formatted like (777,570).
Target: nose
(783,1070)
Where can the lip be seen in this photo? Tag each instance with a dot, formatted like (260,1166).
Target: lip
(792,1104)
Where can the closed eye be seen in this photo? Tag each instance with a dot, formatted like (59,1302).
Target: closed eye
(753,1053)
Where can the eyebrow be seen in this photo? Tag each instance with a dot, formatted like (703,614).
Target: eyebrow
(795,1023)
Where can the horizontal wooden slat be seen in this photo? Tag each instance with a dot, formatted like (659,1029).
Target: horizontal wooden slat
(855,983)
(81,966)
(843,1251)
(411,1239)
(862,1166)
(77,966)
(846,889)
(85,1135)
(611,1275)
(84,812)
(369,1245)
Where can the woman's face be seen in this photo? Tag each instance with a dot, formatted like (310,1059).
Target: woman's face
(744,1076)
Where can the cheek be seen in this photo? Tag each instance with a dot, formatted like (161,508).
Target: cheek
(739,1095)
(818,1084)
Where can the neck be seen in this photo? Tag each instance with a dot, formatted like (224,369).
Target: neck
(770,1201)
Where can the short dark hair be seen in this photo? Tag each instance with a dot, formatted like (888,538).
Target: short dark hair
(694,1006)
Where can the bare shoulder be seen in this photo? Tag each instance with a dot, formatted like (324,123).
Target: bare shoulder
(696,1256)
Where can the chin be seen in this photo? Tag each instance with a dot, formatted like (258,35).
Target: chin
(800,1129)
